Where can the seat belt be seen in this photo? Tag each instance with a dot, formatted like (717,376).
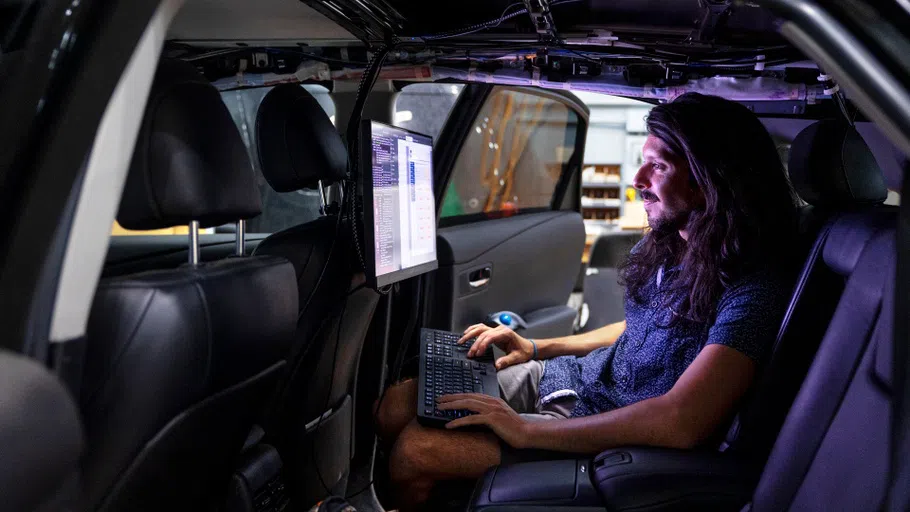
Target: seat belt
(898,498)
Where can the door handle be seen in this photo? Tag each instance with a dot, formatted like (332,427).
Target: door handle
(479,278)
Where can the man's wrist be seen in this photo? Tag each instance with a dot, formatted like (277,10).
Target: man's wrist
(545,348)
(531,435)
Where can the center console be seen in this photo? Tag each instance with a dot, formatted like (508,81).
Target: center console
(626,479)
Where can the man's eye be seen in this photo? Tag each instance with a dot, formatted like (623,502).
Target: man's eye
(658,167)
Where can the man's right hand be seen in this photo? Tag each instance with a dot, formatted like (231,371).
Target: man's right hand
(518,349)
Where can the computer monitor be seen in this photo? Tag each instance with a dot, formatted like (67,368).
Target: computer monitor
(398,203)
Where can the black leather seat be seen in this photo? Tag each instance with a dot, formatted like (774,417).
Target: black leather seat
(835,172)
(603,295)
(179,361)
(311,420)
(833,450)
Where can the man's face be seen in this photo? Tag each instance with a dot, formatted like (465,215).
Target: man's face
(663,181)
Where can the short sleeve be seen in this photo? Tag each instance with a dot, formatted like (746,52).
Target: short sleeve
(749,316)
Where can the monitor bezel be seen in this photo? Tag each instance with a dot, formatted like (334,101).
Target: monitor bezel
(365,173)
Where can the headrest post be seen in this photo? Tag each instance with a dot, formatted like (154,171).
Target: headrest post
(194,242)
(241,237)
(322,200)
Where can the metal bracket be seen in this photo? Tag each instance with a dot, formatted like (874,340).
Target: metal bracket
(715,11)
(542,19)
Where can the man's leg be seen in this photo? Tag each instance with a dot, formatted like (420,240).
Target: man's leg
(398,408)
(423,456)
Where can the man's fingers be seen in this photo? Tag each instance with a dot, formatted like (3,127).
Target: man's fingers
(472,419)
(470,404)
(472,332)
(485,339)
(465,396)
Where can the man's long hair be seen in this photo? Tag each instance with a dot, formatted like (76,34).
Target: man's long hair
(748,221)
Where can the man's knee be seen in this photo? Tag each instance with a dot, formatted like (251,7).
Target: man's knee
(411,457)
(396,409)
(433,454)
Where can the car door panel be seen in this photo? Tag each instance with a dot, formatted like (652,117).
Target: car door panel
(532,262)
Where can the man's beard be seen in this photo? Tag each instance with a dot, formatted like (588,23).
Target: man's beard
(669,221)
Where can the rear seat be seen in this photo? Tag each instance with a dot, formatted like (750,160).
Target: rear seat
(653,478)
(834,184)
(833,451)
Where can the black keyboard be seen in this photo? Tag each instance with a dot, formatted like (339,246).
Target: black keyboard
(446,369)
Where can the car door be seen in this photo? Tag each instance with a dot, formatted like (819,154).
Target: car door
(510,235)
(61,64)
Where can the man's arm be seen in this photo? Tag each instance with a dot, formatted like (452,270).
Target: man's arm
(580,344)
(519,350)
(703,397)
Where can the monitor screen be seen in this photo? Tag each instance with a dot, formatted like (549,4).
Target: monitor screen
(399,206)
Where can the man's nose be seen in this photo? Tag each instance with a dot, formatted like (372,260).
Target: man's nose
(641,180)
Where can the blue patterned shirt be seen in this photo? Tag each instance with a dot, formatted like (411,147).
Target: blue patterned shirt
(651,355)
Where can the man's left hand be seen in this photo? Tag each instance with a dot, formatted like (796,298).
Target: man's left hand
(492,412)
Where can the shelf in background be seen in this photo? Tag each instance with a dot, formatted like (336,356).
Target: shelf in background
(600,184)
(589,202)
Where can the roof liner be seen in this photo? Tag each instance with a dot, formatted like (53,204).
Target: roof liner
(262,20)
(674,19)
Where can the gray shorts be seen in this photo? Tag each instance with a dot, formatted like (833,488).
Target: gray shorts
(519,386)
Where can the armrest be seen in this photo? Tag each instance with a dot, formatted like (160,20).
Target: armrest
(549,322)
(553,485)
(642,478)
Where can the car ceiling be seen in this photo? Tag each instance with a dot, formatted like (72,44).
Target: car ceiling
(647,49)
(260,20)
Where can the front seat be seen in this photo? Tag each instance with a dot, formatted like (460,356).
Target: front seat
(179,361)
(311,420)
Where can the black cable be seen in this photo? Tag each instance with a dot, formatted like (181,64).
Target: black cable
(400,353)
(480,26)
(325,266)
(316,57)
(367,80)
(491,23)
(361,491)
(839,100)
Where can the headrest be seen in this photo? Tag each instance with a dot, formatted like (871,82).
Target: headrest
(298,145)
(611,249)
(190,162)
(831,166)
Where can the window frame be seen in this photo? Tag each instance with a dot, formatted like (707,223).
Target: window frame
(455,132)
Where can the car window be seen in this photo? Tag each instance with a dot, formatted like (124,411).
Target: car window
(279,210)
(424,108)
(513,157)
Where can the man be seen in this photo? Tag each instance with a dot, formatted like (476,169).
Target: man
(705,292)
